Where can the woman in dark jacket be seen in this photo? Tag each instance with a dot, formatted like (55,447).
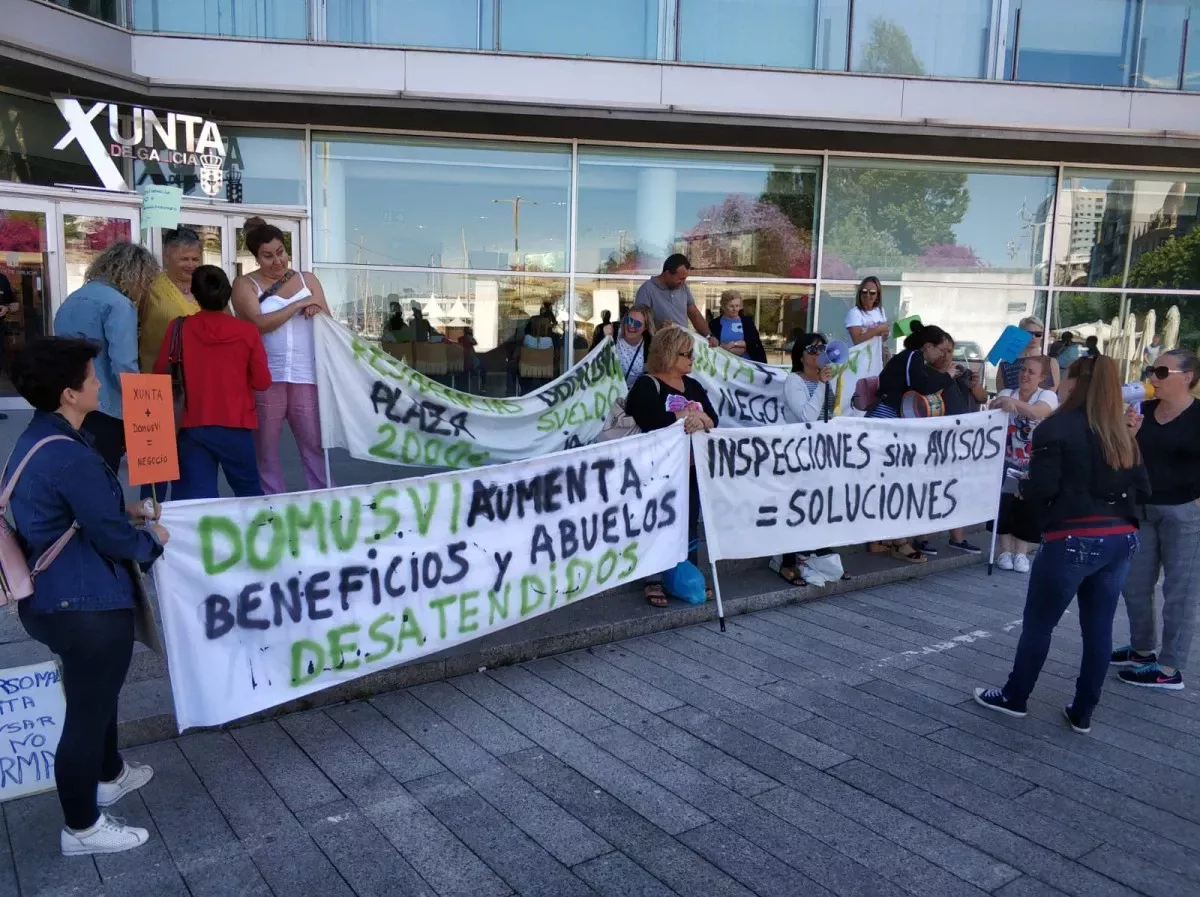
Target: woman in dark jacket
(735,331)
(914,369)
(82,607)
(1085,483)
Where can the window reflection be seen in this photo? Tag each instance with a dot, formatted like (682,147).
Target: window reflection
(105,10)
(614,28)
(897,220)
(922,37)
(407,23)
(1116,230)
(441,203)
(731,214)
(1132,328)
(486,314)
(265,18)
(802,34)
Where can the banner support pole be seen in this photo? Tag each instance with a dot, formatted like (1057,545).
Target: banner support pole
(717,595)
(328,469)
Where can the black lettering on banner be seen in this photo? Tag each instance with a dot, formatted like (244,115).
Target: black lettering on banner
(430,417)
(965,444)
(740,404)
(580,379)
(742,456)
(935,500)
(502,562)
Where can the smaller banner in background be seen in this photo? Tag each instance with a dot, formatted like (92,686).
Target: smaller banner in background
(32,707)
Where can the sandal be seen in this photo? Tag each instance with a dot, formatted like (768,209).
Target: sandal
(905,552)
(655,594)
(879,548)
(792,576)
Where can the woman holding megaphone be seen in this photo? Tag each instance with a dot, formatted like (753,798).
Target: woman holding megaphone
(1168,433)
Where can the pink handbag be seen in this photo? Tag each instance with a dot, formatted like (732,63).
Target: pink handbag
(16,579)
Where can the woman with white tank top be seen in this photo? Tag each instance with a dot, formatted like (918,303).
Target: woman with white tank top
(281,303)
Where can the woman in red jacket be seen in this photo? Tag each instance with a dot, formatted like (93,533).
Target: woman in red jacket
(224,364)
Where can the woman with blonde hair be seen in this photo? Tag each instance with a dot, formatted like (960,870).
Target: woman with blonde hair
(664,395)
(1085,485)
(1008,375)
(735,331)
(104,310)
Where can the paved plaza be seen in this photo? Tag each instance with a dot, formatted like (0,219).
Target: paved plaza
(826,748)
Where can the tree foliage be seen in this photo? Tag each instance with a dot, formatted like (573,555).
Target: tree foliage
(889,51)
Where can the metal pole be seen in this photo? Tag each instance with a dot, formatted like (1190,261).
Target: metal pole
(717,595)
(328,469)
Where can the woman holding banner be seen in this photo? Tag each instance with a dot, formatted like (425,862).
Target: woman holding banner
(281,303)
(1085,484)
(69,509)
(667,394)
(1027,406)
(633,344)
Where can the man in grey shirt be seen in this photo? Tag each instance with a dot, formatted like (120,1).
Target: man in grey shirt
(669,300)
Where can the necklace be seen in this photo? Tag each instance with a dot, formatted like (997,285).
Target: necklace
(1168,420)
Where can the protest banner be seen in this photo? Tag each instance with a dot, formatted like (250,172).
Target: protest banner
(149,410)
(807,486)
(32,707)
(380,409)
(748,393)
(268,599)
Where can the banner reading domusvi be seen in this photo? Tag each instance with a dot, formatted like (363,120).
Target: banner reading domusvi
(379,409)
(803,487)
(268,599)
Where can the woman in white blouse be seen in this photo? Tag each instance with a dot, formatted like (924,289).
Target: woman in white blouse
(633,344)
(867,319)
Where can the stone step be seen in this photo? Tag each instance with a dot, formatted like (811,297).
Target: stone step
(146,713)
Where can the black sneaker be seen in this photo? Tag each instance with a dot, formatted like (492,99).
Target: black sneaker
(966,546)
(1080,723)
(993,699)
(1152,676)
(926,547)
(1127,657)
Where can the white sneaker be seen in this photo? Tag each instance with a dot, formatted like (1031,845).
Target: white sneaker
(1005,561)
(108,835)
(1021,563)
(132,777)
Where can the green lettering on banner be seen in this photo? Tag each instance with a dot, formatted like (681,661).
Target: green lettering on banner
(297,521)
(344,529)
(424,513)
(210,527)
(465,612)
(339,649)
(531,584)
(382,508)
(316,662)
(499,604)
(440,604)
(409,629)
(432,452)
(576,565)
(379,634)
(265,519)
(455,506)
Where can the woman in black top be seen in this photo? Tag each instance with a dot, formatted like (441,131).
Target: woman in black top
(913,369)
(666,380)
(1085,483)
(736,331)
(1169,436)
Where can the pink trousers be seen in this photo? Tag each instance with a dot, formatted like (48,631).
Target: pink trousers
(297,404)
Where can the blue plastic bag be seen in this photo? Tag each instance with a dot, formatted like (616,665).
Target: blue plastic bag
(685,582)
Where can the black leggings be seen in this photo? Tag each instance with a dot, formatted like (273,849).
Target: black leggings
(95,648)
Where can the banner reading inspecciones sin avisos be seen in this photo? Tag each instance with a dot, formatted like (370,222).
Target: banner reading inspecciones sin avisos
(802,487)
(380,409)
(268,599)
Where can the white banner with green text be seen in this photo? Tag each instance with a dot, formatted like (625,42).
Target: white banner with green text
(380,409)
(802,487)
(268,599)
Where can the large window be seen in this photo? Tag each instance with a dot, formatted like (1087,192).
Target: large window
(734,215)
(248,18)
(801,34)
(921,37)
(108,10)
(900,220)
(1134,229)
(614,28)
(1132,328)
(408,23)
(441,203)
(1121,43)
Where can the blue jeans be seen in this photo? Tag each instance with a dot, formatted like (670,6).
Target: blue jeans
(203,449)
(1093,567)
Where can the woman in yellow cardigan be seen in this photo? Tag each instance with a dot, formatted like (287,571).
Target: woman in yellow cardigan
(170,295)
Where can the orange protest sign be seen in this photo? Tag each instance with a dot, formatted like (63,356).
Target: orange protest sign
(149,428)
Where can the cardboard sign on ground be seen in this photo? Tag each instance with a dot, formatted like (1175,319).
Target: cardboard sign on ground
(150,444)
(32,708)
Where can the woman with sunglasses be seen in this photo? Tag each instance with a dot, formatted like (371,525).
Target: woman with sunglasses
(1168,433)
(667,394)
(633,344)
(867,319)
(1008,375)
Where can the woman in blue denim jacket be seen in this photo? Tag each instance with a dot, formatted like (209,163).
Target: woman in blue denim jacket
(82,604)
(1085,487)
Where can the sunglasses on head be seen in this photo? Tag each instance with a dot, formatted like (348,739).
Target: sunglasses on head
(634,323)
(1162,372)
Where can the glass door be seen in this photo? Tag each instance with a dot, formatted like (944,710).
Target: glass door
(27,245)
(87,230)
(213,230)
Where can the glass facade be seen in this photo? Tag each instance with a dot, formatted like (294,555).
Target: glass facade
(949,38)
(112,11)
(286,19)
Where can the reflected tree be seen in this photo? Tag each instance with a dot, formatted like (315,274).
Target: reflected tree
(889,51)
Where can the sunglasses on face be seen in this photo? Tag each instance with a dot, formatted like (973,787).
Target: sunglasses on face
(814,349)
(1162,372)
(1036,334)
(687,355)
(871,293)
(634,323)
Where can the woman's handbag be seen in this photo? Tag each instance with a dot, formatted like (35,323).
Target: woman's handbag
(16,579)
(619,422)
